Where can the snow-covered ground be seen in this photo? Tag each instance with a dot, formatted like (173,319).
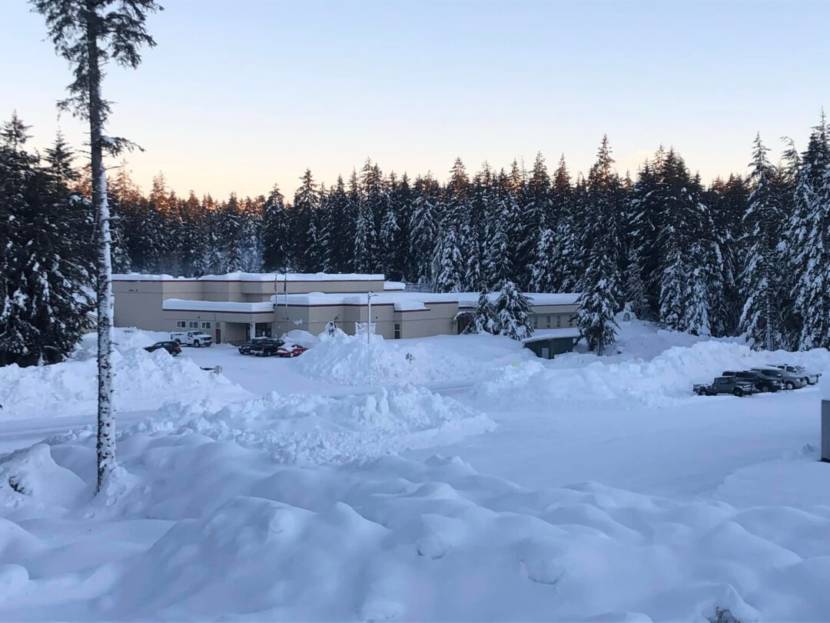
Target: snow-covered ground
(446,478)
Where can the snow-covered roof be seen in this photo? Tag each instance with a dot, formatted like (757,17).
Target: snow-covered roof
(240,276)
(470,299)
(403,301)
(394,285)
(548,334)
(217,306)
(411,301)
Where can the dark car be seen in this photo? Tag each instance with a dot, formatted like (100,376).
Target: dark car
(245,349)
(787,379)
(265,348)
(727,385)
(762,382)
(170,346)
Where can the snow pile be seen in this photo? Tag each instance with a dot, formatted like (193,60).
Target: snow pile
(440,359)
(303,338)
(210,530)
(142,381)
(309,429)
(666,378)
(123,340)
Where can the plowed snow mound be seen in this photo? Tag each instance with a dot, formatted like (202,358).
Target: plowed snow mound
(323,429)
(142,381)
(348,359)
(661,380)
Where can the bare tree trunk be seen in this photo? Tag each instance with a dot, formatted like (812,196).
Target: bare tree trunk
(106,414)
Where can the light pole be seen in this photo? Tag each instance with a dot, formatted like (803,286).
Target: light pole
(369,296)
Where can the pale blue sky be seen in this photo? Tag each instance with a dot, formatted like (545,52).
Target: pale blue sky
(241,94)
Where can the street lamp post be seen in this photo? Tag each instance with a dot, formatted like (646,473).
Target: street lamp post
(369,296)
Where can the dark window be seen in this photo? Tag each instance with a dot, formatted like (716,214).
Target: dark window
(397,331)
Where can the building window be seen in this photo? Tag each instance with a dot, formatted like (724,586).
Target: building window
(547,321)
(397,331)
(194,324)
(558,321)
(181,324)
(206,325)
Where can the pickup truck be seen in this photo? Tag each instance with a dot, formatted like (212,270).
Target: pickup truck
(811,378)
(192,338)
(762,382)
(727,385)
(787,379)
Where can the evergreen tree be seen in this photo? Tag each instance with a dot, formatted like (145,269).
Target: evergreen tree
(544,270)
(597,303)
(760,317)
(275,236)
(511,312)
(448,263)
(484,317)
(45,269)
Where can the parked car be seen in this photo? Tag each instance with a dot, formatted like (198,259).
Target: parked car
(762,382)
(290,350)
(727,385)
(811,378)
(245,349)
(788,380)
(191,338)
(265,348)
(170,346)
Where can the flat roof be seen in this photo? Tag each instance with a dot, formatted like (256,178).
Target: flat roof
(217,306)
(240,276)
(540,335)
(412,301)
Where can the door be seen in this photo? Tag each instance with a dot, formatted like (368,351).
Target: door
(218,335)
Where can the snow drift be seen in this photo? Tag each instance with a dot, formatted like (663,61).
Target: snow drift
(209,530)
(142,381)
(310,429)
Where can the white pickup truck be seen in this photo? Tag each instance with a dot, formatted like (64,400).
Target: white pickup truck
(192,338)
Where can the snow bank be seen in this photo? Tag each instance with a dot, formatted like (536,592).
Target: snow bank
(309,429)
(209,530)
(303,338)
(667,377)
(440,359)
(142,381)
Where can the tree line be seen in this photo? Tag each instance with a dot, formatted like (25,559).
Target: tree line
(743,255)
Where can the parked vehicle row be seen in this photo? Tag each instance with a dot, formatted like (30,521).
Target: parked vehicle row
(768,379)
(270,347)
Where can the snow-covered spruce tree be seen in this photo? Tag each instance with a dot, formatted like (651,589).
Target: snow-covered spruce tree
(423,230)
(274,232)
(511,312)
(760,316)
(90,33)
(364,237)
(496,266)
(48,275)
(633,287)
(448,265)
(812,298)
(390,233)
(806,242)
(597,302)
(543,270)
(484,317)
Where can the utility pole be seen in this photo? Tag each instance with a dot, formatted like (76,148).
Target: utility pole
(369,296)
